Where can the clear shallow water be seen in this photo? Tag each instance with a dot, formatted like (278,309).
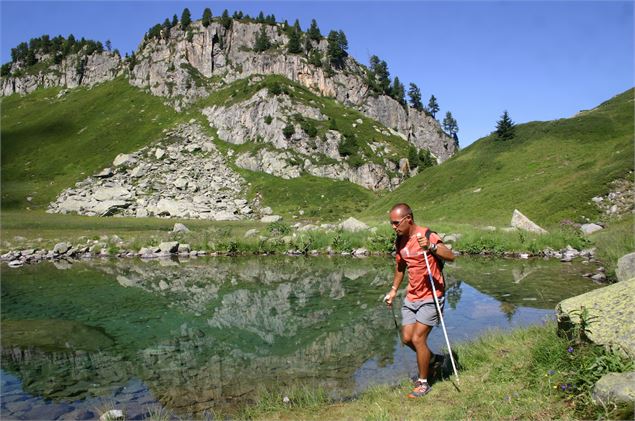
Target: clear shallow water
(205,334)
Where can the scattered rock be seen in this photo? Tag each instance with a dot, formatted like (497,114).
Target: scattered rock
(250,233)
(169,247)
(105,173)
(123,159)
(112,415)
(590,228)
(520,221)
(61,248)
(626,267)
(267,219)
(352,225)
(178,227)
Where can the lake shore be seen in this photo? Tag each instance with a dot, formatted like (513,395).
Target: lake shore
(38,236)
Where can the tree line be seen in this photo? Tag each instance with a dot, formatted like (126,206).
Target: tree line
(56,48)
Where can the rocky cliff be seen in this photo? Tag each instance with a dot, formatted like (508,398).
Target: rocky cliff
(212,70)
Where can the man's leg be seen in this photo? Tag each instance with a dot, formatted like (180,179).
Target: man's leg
(420,346)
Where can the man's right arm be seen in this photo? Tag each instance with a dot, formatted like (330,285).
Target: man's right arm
(400,270)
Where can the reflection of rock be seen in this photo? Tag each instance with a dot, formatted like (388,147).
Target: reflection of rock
(609,322)
(521,273)
(53,335)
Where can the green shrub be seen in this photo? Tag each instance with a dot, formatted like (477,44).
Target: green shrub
(279,228)
(268,119)
(308,127)
(288,131)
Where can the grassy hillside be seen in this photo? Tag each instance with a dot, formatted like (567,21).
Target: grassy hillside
(50,143)
(549,171)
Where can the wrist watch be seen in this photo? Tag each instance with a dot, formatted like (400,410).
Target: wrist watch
(433,248)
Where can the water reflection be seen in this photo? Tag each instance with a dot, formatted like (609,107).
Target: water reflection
(206,333)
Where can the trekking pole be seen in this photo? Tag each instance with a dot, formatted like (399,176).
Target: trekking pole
(436,302)
(394,318)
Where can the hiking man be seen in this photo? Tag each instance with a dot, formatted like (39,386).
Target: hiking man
(419,313)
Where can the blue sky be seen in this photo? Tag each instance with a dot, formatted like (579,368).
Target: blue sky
(538,60)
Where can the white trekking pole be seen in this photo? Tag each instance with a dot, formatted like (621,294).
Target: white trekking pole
(436,302)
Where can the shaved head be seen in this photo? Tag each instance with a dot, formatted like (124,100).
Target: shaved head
(401,209)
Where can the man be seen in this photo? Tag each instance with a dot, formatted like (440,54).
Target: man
(419,313)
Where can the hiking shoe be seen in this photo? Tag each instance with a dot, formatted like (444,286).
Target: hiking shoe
(421,389)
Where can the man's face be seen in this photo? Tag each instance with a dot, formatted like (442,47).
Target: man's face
(399,222)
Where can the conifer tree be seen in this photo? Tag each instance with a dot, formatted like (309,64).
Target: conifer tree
(175,20)
(262,41)
(261,17)
(415,97)
(167,24)
(433,105)
(186,19)
(207,17)
(293,46)
(225,20)
(314,32)
(380,76)
(397,91)
(108,45)
(337,48)
(449,124)
(505,128)
(296,25)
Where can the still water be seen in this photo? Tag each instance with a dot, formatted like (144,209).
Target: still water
(208,334)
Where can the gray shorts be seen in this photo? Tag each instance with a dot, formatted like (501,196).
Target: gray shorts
(423,311)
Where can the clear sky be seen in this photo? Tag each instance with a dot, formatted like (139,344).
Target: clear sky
(538,60)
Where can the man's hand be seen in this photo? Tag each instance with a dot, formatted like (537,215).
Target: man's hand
(390,297)
(424,243)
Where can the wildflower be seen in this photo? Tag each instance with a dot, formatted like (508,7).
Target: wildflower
(570,349)
(551,372)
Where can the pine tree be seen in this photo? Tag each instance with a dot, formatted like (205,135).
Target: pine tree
(296,25)
(380,76)
(261,17)
(225,20)
(207,17)
(415,97)
(293,46)
(314,32)
(108,45)
(433,106)
(397,91)
(505,128)
(167,24)
(413,157)
(449,124)
(175,21)
(337,48)
(262,41)
(186,19)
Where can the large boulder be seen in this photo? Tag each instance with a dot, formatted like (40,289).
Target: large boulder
(352,224)
(616,388)
(626,267)
(520,221)
(610,314)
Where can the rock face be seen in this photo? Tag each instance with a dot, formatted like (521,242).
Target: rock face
(190,180)
(611,311)
(187,65)
(520,221)
(98,68)
(626,267)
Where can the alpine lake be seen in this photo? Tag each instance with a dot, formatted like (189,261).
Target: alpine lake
(208,335)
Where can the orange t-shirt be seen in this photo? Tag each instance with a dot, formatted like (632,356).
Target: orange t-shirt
(409,251)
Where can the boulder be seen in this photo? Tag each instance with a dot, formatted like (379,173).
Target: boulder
(184,248)
(105,173)
(352,225)
(609,322)
(112,415)
(61,248)
(169,247)
(590,228)
(626,267)
(178,227)
(520,221)
(159,153)
(252,232)
(615,388)
(123,159)
(112,193)
(267,219)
